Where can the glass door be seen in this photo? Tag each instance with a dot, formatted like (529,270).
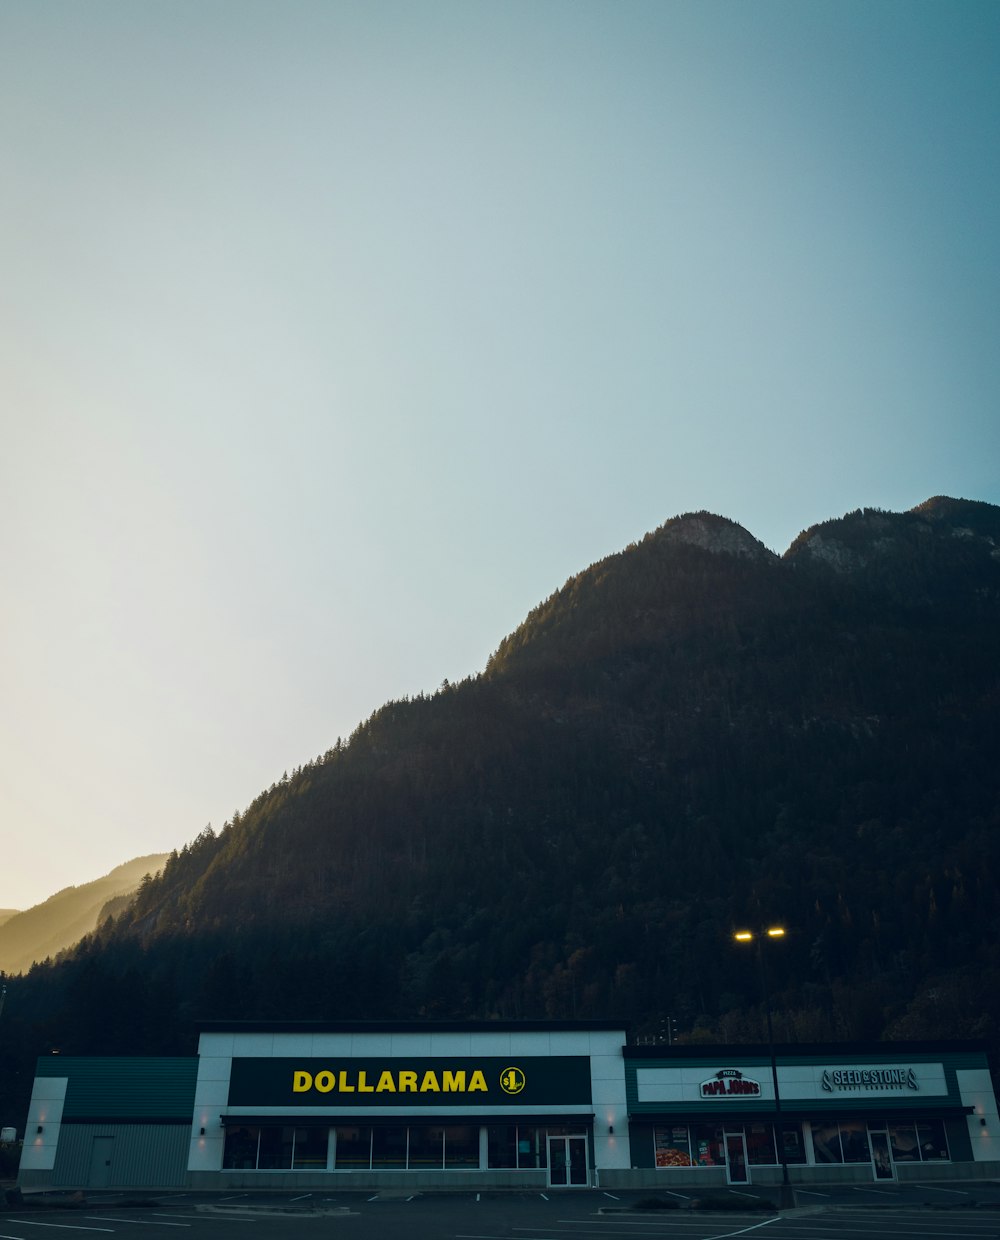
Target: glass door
(736,1158)
(568,1162)
(882,1156)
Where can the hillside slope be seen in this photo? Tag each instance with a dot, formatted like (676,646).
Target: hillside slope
(690,735)
(63,919)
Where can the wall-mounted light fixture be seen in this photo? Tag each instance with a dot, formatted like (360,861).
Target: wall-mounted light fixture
(611,1130)
(982,1121)
(202,1132)
(40,1128)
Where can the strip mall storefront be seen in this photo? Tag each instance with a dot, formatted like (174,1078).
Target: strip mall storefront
(494,1105)
(847,1112)
(489,1103)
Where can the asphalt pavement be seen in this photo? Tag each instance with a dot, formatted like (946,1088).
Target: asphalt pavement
(931,1211)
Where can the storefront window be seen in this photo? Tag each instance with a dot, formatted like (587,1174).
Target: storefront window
(513,1145)
(681,1146)
(760,1145)
(931,1141)
(426,1149)
(672,1147)
(240,1152)
(274,1148)
(854,1141)
(707,1146)
(848,1142)
(501,1145)
(795,1150)
(354,1149)
(388,1148)
(903,1140)
(461,1147)
(310,1149)
(532,1148)
(826,1143)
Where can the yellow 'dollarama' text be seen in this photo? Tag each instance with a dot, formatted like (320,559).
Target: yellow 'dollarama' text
(389,1082)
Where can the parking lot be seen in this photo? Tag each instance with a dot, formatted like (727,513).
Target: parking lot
(926,1212)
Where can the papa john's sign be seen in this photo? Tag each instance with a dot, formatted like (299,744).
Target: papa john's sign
(730,1083)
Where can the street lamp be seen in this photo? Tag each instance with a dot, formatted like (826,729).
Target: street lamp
(758,936)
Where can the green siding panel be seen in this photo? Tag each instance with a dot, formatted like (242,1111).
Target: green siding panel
(124,1088)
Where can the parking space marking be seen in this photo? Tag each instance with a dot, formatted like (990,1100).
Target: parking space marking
(24,1222)
(724,1235)
(142,1222)
(222,1218)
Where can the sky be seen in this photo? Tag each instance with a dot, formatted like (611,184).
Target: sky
(336,336)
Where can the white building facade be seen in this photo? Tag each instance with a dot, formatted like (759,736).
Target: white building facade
(543,1105)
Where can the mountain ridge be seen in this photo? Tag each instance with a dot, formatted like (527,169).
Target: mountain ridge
(689,735)
(64,918)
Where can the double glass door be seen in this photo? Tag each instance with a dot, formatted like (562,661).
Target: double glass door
(568,1162)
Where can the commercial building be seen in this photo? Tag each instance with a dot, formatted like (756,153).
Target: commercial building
(526,1104)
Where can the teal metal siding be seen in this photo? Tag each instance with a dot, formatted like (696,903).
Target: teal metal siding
(125,1088)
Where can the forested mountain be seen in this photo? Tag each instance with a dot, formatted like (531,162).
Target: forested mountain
(63,919)
(689,736)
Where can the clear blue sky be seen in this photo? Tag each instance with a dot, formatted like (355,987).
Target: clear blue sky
(335,336)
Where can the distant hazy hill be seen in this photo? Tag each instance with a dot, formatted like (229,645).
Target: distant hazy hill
(691,735)
(7,913)
(63,919)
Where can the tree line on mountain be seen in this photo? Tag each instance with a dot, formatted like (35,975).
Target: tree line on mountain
(680,742)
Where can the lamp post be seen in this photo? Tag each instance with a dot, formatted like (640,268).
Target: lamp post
(757,937)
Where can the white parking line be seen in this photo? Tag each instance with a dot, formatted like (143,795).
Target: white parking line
(215,1216)
(143,1222)
(930,1188)
(23,1222)
(724,1235)
(612,1196)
